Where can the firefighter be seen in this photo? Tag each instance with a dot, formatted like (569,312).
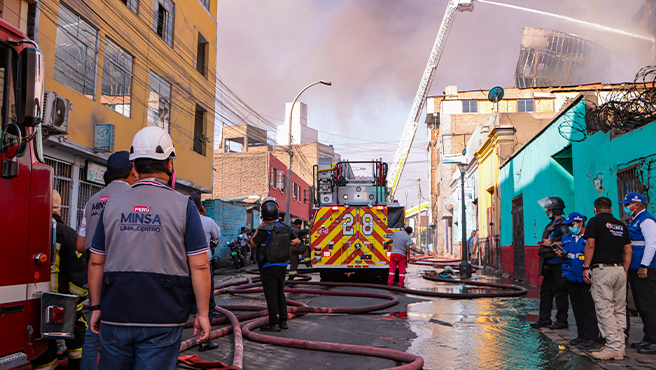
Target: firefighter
(554,285)
(119,177)
(273,240)
(66,277)
(642,275)
(400,256)
(149,239)
(298,250)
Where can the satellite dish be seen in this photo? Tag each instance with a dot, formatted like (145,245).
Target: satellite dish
(495,94)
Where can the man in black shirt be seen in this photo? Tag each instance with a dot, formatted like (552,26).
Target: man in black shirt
(607,258)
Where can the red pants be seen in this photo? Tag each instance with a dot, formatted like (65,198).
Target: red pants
(396,260)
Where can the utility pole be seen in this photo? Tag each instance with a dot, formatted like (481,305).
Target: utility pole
(419,215)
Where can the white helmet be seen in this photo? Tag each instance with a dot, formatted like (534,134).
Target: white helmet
(152,142)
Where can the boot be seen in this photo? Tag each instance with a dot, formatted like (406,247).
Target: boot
(606,354)
(269,327)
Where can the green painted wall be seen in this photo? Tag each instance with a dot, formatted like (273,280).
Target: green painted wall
(535,173)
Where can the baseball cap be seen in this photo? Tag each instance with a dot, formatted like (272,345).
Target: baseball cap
(574,216)
(119,162)
(633,197)
(195,198)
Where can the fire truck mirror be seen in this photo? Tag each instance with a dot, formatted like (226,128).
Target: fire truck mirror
(30,86)
(11,141)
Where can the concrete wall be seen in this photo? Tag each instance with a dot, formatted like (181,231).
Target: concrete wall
(230,218)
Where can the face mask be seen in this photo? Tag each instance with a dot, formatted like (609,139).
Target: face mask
(551,216)
(171,182)
(628,211)
(574,230)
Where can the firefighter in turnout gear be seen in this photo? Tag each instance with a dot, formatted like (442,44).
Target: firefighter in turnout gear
(66,277)
(554,284)
(273,240)
(299,250)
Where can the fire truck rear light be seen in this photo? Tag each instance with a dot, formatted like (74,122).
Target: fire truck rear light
(326,254)
(388,254)
(335,208)
(40,258)
(380,208)
(55,315)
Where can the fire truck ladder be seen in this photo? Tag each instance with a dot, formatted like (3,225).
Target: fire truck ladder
(426,80)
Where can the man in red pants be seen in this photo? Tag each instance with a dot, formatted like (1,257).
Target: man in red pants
(401,243)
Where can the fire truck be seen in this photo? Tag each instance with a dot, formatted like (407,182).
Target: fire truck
(352,218)
(29,313)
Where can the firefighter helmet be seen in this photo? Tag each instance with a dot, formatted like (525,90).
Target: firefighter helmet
(270,210)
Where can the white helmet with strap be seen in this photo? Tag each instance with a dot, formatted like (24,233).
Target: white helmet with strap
(152,142)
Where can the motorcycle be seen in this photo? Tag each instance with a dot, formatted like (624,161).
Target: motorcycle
(214,262)
(235,253)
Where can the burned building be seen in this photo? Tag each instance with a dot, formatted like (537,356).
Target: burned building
(552,58)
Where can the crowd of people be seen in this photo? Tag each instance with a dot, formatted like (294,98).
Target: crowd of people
(590,265)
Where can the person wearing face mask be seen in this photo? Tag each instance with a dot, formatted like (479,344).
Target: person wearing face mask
(642,276)
(579,291)
(554,284)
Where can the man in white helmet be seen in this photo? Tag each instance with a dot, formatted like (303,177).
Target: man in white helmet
(148,262)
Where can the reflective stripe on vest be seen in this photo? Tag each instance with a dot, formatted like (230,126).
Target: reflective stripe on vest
(638,241)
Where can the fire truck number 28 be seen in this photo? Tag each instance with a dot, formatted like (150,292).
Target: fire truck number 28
(367,224)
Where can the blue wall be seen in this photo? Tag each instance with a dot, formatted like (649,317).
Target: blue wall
(230,218)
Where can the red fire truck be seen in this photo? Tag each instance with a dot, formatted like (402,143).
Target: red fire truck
(28,312)
(352,218)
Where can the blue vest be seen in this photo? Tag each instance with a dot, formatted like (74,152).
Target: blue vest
(638,241)
(573,265)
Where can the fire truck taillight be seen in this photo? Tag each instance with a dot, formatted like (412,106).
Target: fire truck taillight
(55,315)
(335,208)
(388,254)
(380,208)
(326,254)
(40,258)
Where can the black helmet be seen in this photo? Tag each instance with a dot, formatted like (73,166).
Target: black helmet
(552,203)
(270,210)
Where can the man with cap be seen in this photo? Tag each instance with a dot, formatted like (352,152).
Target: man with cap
(212,232)
(273,241)
(553,286)
(298,250)
(606,261)
(66,277)
(119,177)
(148,263)
(641,275)
(579,291)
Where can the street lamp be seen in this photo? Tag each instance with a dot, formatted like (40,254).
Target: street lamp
(465,267)
(288,216)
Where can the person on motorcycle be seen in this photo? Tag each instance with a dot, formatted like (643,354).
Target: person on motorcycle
(245,248)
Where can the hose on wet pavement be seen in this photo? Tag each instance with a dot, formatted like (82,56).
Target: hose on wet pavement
(258,316)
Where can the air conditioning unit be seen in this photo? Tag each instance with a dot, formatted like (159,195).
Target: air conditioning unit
(55,113)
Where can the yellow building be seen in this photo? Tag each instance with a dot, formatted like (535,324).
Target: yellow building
(128,63)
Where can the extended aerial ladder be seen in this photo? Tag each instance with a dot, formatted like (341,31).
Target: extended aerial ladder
(426,80)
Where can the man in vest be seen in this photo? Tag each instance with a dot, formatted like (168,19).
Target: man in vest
(273,241)
(66,277)
(119,177)
(148,262)
(553,286)
(298,250)
(641,275)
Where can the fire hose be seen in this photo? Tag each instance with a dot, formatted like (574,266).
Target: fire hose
(296,308)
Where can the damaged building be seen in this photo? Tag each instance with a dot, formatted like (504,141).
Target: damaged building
(552,58)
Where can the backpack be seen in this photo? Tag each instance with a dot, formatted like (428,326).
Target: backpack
(278,249)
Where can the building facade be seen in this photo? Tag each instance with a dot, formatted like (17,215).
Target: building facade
(123,65)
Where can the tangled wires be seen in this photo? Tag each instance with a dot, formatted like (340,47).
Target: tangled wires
(624,109)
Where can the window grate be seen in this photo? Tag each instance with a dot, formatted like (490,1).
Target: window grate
(85,192)
(628,180)
(63,184)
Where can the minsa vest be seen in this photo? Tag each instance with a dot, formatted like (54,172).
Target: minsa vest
(96,204)
(638,241)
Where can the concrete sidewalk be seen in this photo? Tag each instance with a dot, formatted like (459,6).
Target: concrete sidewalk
(633,360)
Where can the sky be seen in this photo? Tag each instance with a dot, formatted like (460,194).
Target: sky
(375,51)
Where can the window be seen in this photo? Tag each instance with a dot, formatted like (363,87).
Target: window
(628,181)
(294,190)
(526,105)
(117,79)
(199,130)
(164,16)
(63,172)
(159,102)
(84,193)
(280,180)
(201,55)
(272,179)
(305,197)
(76,53)
(470,106)
(131,4)
(206,4)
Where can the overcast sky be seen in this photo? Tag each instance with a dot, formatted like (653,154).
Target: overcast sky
(375,51)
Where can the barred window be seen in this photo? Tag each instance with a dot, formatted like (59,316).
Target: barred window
(272,179)
(526,105)
(280,180)
(117,79)
(159,102)
(470,106)
(76,53)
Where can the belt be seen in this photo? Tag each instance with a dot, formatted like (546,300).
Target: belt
(602,265)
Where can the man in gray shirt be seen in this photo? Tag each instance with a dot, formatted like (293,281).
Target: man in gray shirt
(401,243)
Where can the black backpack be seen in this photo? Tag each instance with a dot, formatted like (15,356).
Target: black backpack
(278,248)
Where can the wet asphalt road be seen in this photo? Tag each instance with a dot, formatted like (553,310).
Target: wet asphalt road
(485,333)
